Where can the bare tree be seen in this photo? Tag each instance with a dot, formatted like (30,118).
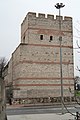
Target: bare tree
(77,38)
(77,68)
(2,66)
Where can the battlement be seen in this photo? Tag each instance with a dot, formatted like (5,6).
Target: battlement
(43,16)
(36,27)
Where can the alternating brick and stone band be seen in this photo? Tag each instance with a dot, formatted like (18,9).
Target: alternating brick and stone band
(34,67)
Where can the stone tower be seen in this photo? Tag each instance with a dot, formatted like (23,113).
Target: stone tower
(36,61)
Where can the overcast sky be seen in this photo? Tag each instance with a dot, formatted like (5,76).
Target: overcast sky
(12,13)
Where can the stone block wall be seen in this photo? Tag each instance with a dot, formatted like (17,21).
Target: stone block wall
(36,61)
(2,100)
(38,71)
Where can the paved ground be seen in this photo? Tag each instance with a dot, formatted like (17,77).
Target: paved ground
(51,116)
(66,116)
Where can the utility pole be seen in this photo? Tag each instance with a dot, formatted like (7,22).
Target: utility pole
(59,6)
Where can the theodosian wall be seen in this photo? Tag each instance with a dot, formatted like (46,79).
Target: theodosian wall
(36,61)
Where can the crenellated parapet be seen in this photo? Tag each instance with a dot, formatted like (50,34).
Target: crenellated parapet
(43,16)
(34,25)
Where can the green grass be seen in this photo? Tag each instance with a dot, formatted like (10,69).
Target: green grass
(78,93)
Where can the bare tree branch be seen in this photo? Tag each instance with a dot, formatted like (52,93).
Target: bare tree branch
(78,31)
(77,44)
(78,69)
(2,65)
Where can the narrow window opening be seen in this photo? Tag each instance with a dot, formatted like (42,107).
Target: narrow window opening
(41,37)
(51,38)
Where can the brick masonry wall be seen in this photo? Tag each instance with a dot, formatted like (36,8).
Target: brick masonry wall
(39,70)
(36,63)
